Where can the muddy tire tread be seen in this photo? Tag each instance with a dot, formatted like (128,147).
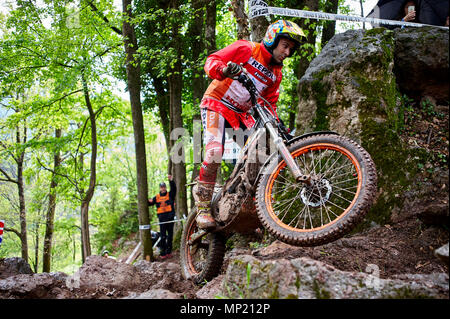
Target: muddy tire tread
(341,227)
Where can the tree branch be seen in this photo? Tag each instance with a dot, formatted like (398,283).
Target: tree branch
(8,178)
(63,97)
(12,202)
(55,101)
(80,141)
(56,173)
(104,18)
(13,231)
(45,58)
(106,51)
(9,152)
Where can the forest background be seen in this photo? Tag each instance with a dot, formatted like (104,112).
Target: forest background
(74,77)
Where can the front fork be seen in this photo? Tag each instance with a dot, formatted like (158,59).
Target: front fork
(281,147)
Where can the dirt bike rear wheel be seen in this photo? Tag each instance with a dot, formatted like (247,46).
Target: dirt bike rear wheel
(343,188)
(202,260)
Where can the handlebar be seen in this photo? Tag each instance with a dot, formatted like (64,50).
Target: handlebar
(245,80)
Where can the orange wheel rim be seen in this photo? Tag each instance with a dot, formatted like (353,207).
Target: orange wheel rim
(282,165)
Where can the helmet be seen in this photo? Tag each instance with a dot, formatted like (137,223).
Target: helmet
(162,184)
(282,29)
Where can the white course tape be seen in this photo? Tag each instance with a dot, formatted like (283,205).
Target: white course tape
(145,227)
(259,8)
(170,221)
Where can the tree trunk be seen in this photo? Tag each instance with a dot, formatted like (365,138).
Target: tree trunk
(93,175)
(241,19)
(49,225)
(175,80)
(36,248)
(329,27)
(292,116)
(310,28)
(163,106)
(198,46)
(81,193)
(21,193)
(210,26)
(202,37)
(259,27)
(159,83)
(362,13)
(134,88)
(86,242)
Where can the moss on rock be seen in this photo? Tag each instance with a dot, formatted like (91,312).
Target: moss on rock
(351,88)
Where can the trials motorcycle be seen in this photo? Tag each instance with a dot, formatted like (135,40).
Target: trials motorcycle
(313,189)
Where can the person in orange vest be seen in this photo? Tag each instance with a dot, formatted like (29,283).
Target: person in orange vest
(165,211)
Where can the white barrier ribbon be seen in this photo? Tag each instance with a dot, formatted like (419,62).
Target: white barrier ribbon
(259,8)
(176,220)
(170,221)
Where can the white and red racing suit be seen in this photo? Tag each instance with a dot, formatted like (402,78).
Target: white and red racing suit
(227,100)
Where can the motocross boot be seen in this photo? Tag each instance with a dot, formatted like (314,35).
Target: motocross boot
(203,193)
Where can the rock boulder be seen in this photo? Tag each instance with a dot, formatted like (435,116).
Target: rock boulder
(13,266)
(442,253)
(305,278)
(354,87)
(100,272)
(43,285)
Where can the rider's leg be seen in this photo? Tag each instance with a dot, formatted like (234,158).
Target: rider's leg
(214,130)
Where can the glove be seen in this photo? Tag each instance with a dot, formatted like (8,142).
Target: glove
(232,70)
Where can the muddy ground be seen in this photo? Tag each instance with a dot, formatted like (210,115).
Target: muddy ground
(403,248)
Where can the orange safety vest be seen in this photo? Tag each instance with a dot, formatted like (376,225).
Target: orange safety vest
(164,207)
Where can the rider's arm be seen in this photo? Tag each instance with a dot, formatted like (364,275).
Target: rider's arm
(238,52)
(153,201)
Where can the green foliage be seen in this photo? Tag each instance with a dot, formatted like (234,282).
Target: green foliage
(46,51)
(50,52)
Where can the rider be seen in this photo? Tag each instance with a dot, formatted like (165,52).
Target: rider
(226,101)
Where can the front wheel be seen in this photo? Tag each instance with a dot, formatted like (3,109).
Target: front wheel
(201,259)
(343,187)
